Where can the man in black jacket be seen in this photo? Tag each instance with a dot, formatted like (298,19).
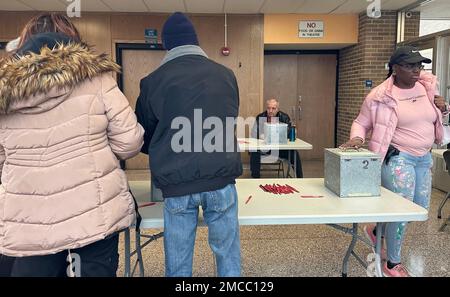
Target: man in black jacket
(184,106)
(272,111)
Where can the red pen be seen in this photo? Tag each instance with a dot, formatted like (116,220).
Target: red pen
(263,188)
(248,199)
(282,189)
(288,190)
(277,191)
(293,189)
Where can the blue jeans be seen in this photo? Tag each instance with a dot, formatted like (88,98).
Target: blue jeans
(409,176)
(220,213)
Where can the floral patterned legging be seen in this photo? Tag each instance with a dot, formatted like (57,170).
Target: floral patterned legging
(409,176)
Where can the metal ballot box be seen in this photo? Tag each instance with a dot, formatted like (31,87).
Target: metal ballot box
(275,133)
(352,173)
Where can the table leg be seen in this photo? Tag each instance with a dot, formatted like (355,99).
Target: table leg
(378,250)
(350,249)
(295,163)
(127,253)
(289,164)
(139,254)
(442,205)
(447,222)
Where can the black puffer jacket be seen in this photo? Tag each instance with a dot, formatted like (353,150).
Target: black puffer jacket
(174,90)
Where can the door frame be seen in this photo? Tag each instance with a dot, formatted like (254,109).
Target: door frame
(120,47)
(316,52)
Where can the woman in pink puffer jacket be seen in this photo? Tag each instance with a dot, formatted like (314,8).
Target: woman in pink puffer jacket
(64,125)
(404,114)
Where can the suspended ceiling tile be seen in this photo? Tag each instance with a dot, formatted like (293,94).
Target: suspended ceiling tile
(240,6)
(13,6)
(282,6)
(165,6)
(46,5)
(93,5)
(352,6)
(396,4)
(201,6)
(126,5)
(320,6)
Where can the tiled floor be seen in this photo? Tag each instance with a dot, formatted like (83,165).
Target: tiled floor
(311,250)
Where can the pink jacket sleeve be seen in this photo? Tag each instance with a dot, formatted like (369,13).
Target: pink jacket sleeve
(363,123)
(125,134)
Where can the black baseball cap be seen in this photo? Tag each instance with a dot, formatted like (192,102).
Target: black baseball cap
(407,54)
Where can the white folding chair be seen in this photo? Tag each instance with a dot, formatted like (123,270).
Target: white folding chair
(271,162)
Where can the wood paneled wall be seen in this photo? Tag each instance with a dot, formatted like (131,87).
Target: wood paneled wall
(245,38)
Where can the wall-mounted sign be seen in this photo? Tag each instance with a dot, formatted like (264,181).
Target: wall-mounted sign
(368,83)
(151,36)
(310,29)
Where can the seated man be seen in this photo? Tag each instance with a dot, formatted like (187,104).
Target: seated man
(273,115)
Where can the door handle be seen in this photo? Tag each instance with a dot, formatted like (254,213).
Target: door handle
(299,107)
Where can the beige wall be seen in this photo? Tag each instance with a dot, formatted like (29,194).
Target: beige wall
(245,38)
(282,29)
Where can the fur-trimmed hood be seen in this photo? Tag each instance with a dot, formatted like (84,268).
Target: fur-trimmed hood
(33,79)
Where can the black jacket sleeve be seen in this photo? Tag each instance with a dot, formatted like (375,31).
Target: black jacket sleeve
(145,115)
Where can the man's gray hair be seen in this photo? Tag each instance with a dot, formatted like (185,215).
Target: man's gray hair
(273,100)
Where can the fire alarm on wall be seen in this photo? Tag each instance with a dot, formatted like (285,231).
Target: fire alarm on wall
(225,51)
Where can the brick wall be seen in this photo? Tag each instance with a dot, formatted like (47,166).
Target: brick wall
(412,26)
(366,60)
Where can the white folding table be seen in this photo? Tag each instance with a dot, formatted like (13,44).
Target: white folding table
(254,144)
(272,209)
(439,153)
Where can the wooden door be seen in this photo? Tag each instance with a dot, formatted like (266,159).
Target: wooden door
(280,80)
(137,64)
(317,88)
(313,77)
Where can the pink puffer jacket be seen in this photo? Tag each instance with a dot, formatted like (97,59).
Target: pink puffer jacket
(379,114)
(63,126)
